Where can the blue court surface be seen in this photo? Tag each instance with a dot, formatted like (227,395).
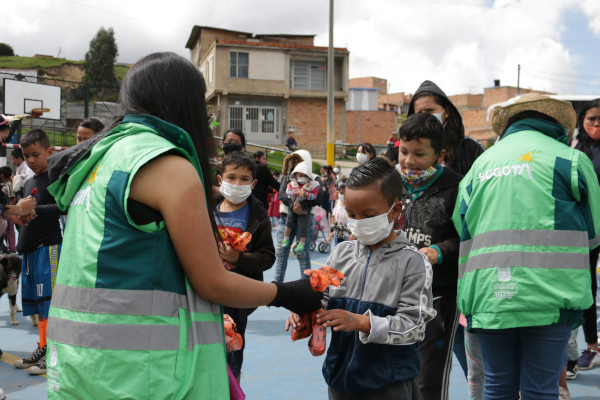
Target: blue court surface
(274,366)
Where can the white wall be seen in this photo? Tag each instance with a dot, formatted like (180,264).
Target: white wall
(266,65)
(362,100)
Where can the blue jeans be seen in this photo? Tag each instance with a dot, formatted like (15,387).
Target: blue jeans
(529,359)
(282,253)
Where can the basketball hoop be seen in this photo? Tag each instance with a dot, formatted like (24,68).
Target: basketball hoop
(37,112)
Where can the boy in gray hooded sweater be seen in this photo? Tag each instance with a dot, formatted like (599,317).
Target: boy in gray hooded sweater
(379,312)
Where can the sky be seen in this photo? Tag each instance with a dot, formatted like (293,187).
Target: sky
(462,45)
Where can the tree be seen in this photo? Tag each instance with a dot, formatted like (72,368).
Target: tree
(100,60)
(6,50)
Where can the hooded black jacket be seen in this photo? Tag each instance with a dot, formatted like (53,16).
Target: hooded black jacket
(426,221)
(467,149)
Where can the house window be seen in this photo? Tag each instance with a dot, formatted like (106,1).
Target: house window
(238,64)
(210,70)
(308,75)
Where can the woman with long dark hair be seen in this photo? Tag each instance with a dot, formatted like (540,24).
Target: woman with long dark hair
(135,312)
(461,150)
(588,127)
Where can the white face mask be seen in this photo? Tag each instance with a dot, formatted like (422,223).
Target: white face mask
(336,170)
(371,230)
(361,158)
(341,198)
(439,117)
(236,194)
(302,181)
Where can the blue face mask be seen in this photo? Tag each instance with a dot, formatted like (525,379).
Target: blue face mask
(439,117)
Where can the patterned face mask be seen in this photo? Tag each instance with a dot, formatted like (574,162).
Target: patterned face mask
(416,176)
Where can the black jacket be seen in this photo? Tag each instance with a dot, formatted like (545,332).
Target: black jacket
(426,221)
(264,180)
(261,251)
(468,149)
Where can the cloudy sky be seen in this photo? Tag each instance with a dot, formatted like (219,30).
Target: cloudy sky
(463,45)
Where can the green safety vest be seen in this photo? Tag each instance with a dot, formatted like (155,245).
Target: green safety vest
(528,212)
(124,321)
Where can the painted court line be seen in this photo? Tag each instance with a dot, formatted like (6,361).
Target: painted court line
(10,359)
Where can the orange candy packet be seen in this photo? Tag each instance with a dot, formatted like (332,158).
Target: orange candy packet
(233,340)
(308,327)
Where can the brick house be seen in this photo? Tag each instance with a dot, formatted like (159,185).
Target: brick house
(267,85)
(474,108)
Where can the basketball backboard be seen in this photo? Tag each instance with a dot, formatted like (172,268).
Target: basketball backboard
(21,97)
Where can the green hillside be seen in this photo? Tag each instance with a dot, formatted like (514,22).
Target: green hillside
(16,62)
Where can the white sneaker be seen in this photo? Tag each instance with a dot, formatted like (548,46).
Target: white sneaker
(563,394)
(588,359)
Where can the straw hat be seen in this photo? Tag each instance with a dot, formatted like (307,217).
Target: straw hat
(561,111)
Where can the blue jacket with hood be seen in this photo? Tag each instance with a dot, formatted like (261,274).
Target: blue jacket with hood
(392,285)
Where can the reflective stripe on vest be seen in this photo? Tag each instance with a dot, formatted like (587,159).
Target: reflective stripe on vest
(130,337)
(129,302)
(525,238)
(524,259)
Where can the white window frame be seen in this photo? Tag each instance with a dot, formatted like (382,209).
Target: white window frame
(210,70)
(237,65)
(311,67)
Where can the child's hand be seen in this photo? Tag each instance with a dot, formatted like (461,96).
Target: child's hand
(292,321)
(342,320)
(27,205)
(330,237)
(228,253)
(302,193)
(431,253)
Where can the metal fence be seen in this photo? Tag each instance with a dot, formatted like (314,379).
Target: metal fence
(79,100)
(274,154)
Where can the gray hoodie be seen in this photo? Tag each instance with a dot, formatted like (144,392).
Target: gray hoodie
(392,285)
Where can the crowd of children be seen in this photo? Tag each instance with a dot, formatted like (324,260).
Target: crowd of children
(407,232)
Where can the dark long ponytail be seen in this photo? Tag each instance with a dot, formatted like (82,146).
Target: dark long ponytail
(169,87)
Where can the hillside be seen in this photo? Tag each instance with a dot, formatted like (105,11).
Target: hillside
(54,67)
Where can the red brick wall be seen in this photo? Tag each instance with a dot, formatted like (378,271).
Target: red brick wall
(474,118)
(375,126)
(310,118)
(369,83)
(462,101)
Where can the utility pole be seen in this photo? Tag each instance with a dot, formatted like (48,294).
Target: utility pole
(519,79)
(330,99)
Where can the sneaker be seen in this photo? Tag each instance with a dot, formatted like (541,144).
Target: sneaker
(299,247)
(285,243)
(2,396)
(39,368)
(588,359)
(563,394)
(33,358)
(572,369)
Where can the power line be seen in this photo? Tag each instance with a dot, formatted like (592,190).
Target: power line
(307,17)
(584,77)
(487,6)
(127,16)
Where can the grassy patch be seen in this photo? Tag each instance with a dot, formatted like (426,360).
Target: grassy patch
(16,62)
(61,139)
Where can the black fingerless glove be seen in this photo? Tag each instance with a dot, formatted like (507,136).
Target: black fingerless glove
(297,296)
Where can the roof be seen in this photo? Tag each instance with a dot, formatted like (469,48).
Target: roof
(281,45)
(281,35)
(196,33)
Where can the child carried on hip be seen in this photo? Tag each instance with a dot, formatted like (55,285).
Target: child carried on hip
(302,186)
